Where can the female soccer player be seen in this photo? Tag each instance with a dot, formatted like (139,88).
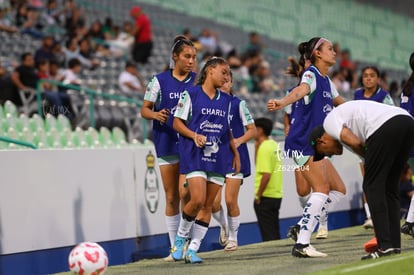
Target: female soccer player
(407,103)
(159,105)
(243,130)
(202,119)
(371,90)
(314,99)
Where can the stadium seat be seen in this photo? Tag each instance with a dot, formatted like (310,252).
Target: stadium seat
(118,137)
(10,108)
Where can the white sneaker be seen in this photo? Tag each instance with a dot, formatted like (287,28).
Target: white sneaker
(322,233)
(231,246)
(224,236)
(368,224)
(306,252)
(169,259)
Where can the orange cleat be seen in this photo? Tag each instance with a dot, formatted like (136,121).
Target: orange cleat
(371,245)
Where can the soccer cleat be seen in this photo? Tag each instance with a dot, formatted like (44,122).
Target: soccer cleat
(231,246)
(293,232)
(368,224)
(178,250)
(378,253)
(224,236)
(306,251)
(191,257)
(371,245)
(408,228)
(322,233)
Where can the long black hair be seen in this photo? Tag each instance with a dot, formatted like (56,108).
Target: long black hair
(306,49)
(212,62)
(409,84)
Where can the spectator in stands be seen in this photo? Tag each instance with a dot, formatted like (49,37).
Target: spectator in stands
(6,25)
(71,51)
(108,28)
(384,81)
(58,102)
(46,51)
(341,84)
(26,20)
(6,86)
(208,40)
(96,31)
(130,81)
(142,32)
(71,75)
(55,71)
(255,44)
(88,53)
(59,53)
(55,14)
(24,77)
(75,23)
(123,40)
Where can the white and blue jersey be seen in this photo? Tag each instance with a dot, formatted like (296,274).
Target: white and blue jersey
(380,96)
(240,117)
(165,90)
(310,111)
(208,117)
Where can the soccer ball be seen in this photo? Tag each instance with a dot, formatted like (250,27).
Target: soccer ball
(88,258)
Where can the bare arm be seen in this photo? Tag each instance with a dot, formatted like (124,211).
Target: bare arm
(248,135)
(351,140)
(286,122)
(15,78)
(182,129)
(338,100)
(295,95)
(148,113)
(236,159)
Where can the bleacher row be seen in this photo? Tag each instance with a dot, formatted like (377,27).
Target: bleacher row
(374,34)
(55,132)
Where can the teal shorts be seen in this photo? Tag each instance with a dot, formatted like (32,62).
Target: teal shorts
(168,160)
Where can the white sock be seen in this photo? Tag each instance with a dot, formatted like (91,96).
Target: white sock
(304,199)
(410,214)
(199,232)
(234,224)
(311,215)
(367,212)
(184,227)
(220,217)
(334,197)
(172,227)
(323,220)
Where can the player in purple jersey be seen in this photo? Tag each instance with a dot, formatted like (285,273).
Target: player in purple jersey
(160,101)
(202,119)
(243,130)
(407,103)
(370,78)
(314,98)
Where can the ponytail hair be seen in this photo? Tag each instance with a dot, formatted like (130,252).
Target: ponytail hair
(407,89)
(296,67)
(180,41)
(212,62)
(307,49)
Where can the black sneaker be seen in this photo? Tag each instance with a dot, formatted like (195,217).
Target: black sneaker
(381,253)
(306,251)
(408,228)
(293,232)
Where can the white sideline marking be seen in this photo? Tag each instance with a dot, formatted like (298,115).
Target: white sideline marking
(351,269)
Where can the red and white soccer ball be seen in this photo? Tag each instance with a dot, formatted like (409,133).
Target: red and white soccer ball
(88,258)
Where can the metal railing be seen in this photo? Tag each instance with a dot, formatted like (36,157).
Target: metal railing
(91,94)
(18,142)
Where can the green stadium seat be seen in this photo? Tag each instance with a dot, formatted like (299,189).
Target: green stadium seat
(105,137)
(92,138)
(36,123)
(63,123)
(10,108)
(118,137)
(50,122)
